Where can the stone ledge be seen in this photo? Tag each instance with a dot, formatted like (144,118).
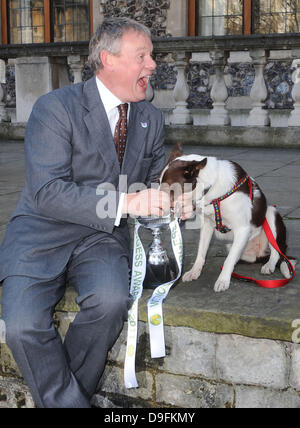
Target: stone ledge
(241,136)
(206,320)
(164,45)
(12,131)
(244,309)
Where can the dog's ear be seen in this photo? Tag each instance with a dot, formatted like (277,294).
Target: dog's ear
(176,152)
(202,164)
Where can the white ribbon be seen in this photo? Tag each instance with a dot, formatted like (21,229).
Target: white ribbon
(155,311)
(136,290)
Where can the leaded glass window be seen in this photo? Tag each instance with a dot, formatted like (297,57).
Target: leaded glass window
(70,20)
(226,17)
(219,17)
(276,16)
(39,21)
(26,21)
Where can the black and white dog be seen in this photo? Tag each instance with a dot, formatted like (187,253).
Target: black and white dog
(234,207)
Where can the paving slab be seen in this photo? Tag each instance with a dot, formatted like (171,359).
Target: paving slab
(12,179)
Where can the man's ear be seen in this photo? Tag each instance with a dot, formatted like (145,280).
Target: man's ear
(107,60)
(176,152)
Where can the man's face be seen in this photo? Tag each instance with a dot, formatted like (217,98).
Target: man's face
(132,68)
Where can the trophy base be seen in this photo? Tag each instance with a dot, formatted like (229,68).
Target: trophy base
(157,275)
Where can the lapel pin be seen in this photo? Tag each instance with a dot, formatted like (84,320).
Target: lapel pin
(144,124)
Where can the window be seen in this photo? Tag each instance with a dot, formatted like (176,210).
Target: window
(220,17)
(70,20)
(226,17)
(39,21)
(26,21)
(276,16)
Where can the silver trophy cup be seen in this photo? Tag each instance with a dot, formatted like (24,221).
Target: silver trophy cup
(160,268)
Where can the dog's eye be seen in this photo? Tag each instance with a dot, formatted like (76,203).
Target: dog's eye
(188,173)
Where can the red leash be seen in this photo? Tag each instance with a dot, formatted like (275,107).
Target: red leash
(276,283)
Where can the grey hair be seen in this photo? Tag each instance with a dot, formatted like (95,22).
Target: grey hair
(108,37)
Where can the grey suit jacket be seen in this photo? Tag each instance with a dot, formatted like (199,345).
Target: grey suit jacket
(72,167)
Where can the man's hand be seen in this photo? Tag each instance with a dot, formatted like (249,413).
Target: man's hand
(183,206)
(147,202)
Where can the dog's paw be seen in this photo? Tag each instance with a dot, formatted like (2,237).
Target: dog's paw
(284,268)
(221,285)
(191,275)
(267,269)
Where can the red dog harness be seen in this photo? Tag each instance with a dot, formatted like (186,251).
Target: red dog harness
(217,202)
(224,229)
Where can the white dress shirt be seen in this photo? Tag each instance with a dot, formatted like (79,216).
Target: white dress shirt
(111,102)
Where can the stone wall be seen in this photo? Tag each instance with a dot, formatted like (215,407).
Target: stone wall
(278,77)
(152,13)
(206,370)
(239,74)
(14,394)
(201,370)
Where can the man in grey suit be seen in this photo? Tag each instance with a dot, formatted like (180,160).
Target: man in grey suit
(69,225)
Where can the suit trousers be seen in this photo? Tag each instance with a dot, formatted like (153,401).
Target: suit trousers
(65,375)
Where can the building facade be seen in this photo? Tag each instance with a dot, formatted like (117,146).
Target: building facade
(233,64)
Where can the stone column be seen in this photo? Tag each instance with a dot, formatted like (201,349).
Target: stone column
(181,115)
(76,63)
(150,92)
(33,79)
(294,119)
(219,114)
(259,93)
(3,112)
(60,73)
